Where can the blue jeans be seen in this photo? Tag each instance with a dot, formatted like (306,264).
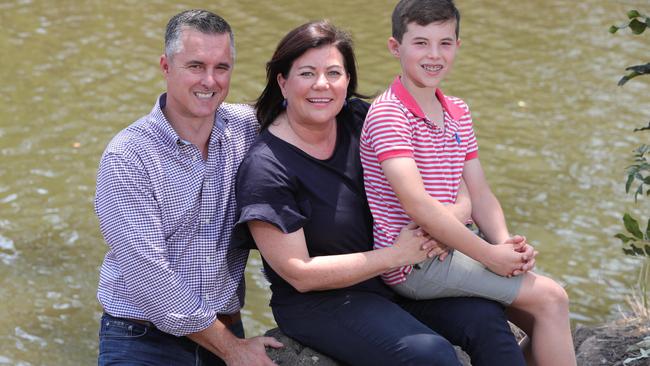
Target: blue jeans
(361,328)
(127,343)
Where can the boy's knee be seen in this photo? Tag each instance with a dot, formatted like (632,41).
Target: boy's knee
(428,349)
(556,298)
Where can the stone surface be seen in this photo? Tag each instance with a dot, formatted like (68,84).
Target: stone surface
(610,344)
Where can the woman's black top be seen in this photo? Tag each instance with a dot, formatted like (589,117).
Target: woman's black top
(280,184)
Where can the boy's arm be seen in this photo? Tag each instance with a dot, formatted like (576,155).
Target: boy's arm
(405,180)
(488,214)
(462,208)
(486,210)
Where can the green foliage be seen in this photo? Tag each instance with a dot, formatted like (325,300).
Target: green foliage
(636,242)
(644,350)
(639,172)
(637,23)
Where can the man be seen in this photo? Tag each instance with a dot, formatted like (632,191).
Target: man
(170,288)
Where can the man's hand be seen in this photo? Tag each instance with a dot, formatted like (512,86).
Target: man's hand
(218,339)
(251,351)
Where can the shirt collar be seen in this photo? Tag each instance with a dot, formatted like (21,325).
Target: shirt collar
(169,135)
(400,91)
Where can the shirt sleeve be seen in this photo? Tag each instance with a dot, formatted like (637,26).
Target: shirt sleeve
(387,132)
(467,134)
(131,223)
(266,192)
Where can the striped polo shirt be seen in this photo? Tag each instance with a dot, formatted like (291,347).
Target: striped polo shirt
(397,127)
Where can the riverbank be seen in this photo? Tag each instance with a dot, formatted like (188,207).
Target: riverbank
(621,342)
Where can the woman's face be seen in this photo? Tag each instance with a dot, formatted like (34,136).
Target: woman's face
(316,86)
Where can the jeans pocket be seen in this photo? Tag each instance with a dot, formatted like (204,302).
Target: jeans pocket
(114,328)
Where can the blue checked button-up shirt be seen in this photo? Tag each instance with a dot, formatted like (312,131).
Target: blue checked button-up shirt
(167,216)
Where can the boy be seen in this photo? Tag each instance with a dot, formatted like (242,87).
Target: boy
(416,145)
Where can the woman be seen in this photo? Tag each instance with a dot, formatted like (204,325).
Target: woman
(302,204)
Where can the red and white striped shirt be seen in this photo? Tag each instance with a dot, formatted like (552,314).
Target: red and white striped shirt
(397,127)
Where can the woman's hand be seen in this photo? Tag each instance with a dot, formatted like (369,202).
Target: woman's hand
(415,246)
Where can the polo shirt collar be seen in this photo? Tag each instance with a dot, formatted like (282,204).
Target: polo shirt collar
(400,91)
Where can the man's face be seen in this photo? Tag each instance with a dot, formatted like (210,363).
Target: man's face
(198,75)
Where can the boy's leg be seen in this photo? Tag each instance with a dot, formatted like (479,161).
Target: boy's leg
(477,325)
(457,276)
(359,328)
(541,309)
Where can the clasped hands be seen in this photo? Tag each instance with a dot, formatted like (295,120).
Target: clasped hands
(516,243)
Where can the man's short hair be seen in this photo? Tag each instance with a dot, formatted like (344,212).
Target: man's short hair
(201,20)
(423,12)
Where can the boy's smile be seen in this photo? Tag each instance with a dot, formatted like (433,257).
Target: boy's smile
(426,53)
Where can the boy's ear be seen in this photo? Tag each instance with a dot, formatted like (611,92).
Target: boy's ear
(393,46)
(458,42)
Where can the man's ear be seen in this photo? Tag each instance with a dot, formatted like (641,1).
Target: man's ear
(164,65)
(393,46)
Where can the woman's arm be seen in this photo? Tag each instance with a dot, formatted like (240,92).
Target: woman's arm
(288,256)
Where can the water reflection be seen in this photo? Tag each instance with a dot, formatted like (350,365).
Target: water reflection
(554,133)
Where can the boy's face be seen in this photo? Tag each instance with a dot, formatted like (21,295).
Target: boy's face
(426,53)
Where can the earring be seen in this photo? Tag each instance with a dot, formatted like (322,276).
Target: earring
(284,103)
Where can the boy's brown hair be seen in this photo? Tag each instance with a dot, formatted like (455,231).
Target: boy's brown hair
(423,12)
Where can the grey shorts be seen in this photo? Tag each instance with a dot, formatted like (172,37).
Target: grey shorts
(458,275)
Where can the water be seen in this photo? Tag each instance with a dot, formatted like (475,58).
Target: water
(540,77)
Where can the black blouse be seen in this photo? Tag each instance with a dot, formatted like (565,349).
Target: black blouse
(280,184)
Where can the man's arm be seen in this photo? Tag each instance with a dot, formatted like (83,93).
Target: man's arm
(404,177)
(131,223)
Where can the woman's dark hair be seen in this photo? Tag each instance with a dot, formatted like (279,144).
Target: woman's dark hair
(307,36)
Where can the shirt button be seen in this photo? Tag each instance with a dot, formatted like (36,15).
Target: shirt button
(205,221)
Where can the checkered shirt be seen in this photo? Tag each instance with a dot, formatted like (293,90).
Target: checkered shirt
(167,216)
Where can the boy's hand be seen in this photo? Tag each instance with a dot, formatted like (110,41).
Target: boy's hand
(504,260)
(528,253)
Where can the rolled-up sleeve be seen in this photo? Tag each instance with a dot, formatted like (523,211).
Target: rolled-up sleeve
(131,223)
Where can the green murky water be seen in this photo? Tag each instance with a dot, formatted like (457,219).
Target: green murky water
(540,77)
